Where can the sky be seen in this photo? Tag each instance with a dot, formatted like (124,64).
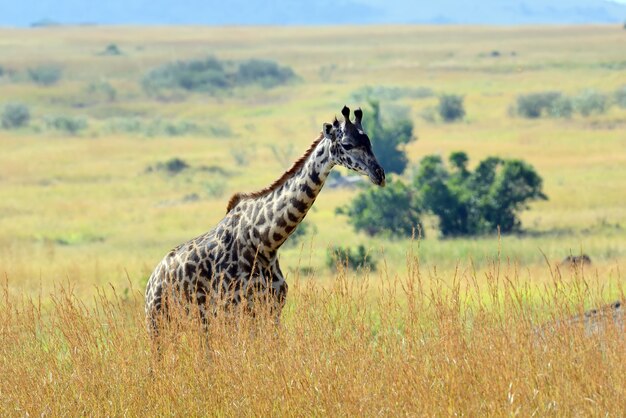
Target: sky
(25,13)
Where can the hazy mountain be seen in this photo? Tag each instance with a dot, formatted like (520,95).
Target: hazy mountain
(297,12)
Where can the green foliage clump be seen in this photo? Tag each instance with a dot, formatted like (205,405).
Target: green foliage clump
(533,105)
(477,202)
(451,107)
(172,166)
(111,50)
(15,115)
(347,257)
(45,75)
(388,139)
(465,202)
(555,104)
(391,210)
(68,124)
(206,75)
(211,75)
(266,73)
(590,102)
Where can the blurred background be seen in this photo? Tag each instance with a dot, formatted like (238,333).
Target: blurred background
(126,126)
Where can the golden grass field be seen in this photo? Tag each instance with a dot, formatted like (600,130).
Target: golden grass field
(443,327)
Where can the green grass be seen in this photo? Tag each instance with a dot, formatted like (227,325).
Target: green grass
(68,204)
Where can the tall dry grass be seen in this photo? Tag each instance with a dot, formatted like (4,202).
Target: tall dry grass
(358,346)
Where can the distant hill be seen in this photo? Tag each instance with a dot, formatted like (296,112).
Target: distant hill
(297,12)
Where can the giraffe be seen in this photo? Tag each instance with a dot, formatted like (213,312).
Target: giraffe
(237,260)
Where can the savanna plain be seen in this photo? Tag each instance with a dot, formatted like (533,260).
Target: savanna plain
(107,176)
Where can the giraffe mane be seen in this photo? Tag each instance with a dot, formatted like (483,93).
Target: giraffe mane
(238,197)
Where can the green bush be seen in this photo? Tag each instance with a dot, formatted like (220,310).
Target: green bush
(451,107)
(590,102)
(68,124)
(347,257)
(266,73)
(533,105)
(562,107)
(45,75)
(391,210)
(388,139)
(210,75)
(111,50)
(205,75)
(15,115)
(469,203)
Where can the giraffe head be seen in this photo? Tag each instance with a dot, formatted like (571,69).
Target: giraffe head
(351,147)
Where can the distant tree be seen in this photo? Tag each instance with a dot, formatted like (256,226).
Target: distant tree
(45,75)
(590,101)
(15,115)
(68,124)
(388,138)
(451,107)
(358,258)
(205,75)
(476,202)
(264,72)
(390,210)
(533,105)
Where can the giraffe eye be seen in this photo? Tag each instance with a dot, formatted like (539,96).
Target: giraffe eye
(348,147)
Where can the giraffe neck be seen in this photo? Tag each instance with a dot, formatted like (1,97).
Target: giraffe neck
(279,212)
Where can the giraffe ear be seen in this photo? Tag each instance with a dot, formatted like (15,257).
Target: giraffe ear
(346,114)
(328,131)
(358,114)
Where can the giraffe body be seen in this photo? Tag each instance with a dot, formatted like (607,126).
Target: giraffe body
(237,260)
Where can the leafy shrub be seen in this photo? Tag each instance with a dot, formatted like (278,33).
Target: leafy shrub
(358,258)
(15,115)
(381,93)
(111,50)
(468,203)
(172,166)
(45,75)
(67,124)
(391,210)
(589,102)
(561,107)
(210,75)
(534,104)
(205,75)
(451,107)
(388,139)
(620,96)
(263,72)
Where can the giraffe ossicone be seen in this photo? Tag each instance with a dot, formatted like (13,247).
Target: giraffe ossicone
(237,260)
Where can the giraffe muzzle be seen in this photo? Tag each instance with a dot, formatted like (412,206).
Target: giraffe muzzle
(378,176)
